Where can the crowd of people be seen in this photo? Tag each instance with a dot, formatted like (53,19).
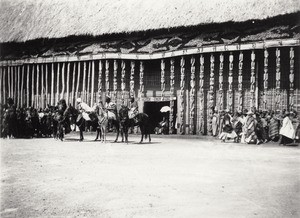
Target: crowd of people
(256,127)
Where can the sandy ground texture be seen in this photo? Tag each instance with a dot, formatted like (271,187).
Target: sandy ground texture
(171,177)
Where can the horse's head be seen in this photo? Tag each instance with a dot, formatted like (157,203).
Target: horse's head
(123,112)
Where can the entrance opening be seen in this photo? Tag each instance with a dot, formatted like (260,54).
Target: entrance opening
(155,116)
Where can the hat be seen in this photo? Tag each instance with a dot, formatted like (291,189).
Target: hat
(78,100)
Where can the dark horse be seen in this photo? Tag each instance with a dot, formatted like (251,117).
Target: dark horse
(141,120)
(124,122)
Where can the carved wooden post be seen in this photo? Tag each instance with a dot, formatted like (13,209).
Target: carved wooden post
(221,92)
(1,85)
(37,86)
(42,87)
(4,86)
(278,97)
(27,87)
(93,82)
(182,95)
(32,86)
(115,80)
(52,83)
(266,55)
(100,81)
(16,94)
(123,84)
(201,93)
(68,82)
(63,82)
(73,83)
(172,83)
(22,85)
(18,87)
(240,82)
(57,82)
(83,81)
(211,95)
(8,81)
(87,95)
(163,81)
(292,76)
(78,80)
(46,84)
(107,78)
(252,81)
(192,97)
(132,65)
(141,79)
(230,80)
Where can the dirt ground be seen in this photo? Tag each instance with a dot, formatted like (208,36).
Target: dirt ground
(171,177)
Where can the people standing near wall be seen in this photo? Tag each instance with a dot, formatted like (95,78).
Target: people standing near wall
(287,130)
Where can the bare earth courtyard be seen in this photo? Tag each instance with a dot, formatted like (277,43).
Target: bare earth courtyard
(171,177)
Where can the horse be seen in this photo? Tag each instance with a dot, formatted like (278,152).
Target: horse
(141,120)
(9,121)
(103,123)
(124,122)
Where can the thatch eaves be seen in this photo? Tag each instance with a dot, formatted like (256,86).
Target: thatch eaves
(24,20)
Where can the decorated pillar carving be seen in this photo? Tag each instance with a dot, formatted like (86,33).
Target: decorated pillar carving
(163,81)
(172,83)
(230,80)
(266,77)
(93,83)
(132,66)
(291,77)
(141,79)
(201,93)
(107,78)
(57,83)
(221,91)
(123,84)
(252,81)
(115,80)
(277,87)
(192,96)
(182,95)
(100,81)
(240,82)
(211,95)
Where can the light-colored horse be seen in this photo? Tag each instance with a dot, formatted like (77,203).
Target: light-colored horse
(102,121)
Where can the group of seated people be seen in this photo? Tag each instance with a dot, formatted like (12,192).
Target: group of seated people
(257,126)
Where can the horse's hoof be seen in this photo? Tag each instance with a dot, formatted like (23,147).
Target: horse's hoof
(115,141)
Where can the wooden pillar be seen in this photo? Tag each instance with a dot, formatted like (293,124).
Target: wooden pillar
(266,55)
(63,81)
(230,80)
(221,92)
(52,84)
(4,84)
(172,84)
(57,82)
(182,95)
(68,83)
(83,81)
(73,84)
(37,86)
(132,65)
(12,82)
(141,93)
(42,87)
(240,83)
(107,78)
(252,81)
(18,87)
(291,77)
(78,81)
(93,82)
(47,100)
(278,96)
(123,84)
(115,87)
(163,81)
(1,85)
(16,84)
(201,95)
(22,86)
(8,81)
(192,97)
(88,99)
(27,86)
(100,81)
(211,93)
(32,86)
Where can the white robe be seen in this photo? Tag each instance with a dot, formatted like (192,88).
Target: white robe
(287,128)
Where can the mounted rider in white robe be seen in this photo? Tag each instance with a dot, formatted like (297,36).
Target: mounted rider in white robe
(84,109)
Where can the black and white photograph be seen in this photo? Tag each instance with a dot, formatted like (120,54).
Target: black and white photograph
(150,108)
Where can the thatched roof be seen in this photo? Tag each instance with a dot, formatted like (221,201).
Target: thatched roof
(23,20)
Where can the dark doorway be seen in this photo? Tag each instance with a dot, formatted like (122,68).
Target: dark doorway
(153,111)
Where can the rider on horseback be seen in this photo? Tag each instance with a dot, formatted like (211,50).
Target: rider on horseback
(84,109)
(111,109)
(134,108)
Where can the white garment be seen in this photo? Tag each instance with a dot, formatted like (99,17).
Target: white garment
(85,107)
(86,116)
(287,128)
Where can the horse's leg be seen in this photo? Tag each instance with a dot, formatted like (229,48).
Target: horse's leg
(117,125)
(122,132)
(142,133)
(126,134)
(98,131)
